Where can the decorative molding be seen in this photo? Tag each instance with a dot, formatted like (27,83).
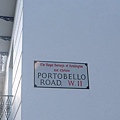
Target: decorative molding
(3,53)
(7,38)
(7,18)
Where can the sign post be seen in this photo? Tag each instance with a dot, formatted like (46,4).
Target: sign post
(50,74)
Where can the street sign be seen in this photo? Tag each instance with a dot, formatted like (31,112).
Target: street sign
(50,74)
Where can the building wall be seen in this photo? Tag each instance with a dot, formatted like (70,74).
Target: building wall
(72,31)
(17,61)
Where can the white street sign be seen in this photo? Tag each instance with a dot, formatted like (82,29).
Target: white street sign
(50,74)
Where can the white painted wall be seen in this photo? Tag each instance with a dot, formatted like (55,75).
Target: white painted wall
(72,31)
